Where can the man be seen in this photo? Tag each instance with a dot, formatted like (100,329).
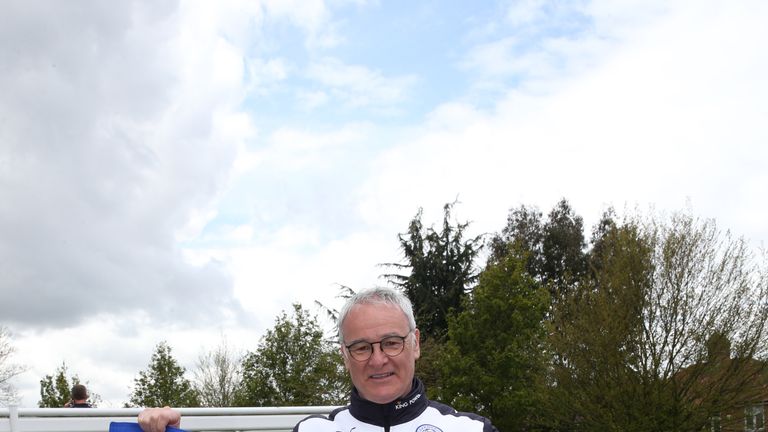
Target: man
(79,397)
(380,345)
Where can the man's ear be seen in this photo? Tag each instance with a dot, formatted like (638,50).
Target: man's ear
(343,354)
(416,343)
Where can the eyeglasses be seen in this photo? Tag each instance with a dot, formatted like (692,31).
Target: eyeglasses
(390,345)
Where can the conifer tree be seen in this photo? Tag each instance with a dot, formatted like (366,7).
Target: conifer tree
(163,383)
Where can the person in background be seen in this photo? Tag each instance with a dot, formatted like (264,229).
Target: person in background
(380,346)
(79,397)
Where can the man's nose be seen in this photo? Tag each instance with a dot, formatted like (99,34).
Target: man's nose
(378,356)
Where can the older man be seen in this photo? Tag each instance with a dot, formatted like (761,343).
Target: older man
(380,345)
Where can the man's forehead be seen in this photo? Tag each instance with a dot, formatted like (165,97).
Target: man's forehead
(379,309)
(375,315)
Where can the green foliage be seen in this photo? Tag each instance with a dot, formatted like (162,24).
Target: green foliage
(441,271)
(429,366)
(493,359)
(163,383)
(563,246)
(553,249)
(669,329)
(523,233)
(596,342)
(293,365)
(55,390)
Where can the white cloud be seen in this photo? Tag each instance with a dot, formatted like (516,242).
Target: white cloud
(313,270)
(312,16)
(120,126)
(113,353)
(538,42)
(310,100)
(359,86)
(266,75)
(301,141)
(668,115)
(90,188)
(525,12)
(292,150)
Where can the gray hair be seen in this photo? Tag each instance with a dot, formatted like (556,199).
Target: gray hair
(380,295)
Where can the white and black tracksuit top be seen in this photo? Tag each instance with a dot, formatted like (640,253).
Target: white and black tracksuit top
(413,413)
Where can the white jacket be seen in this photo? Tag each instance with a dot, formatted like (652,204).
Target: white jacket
(413,413)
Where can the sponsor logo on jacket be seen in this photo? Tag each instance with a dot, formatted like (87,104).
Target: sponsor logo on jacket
(428,428)
(405,404)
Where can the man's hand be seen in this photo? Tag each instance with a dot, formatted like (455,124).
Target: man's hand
(156,419)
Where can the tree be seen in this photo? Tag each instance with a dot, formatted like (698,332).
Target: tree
(442,271)
(218,376)
(163,383)
(493,359)
(667,332)
(8,370)
(554,249)
(524,234)
(596,342)
(293,365)
(55,390)
(563,247)
(332,314)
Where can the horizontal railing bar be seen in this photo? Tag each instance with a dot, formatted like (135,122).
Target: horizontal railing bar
(273,419)
(132,412)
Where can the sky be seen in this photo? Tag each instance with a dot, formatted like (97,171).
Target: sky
(185,171)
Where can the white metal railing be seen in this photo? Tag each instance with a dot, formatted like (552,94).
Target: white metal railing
(272,419)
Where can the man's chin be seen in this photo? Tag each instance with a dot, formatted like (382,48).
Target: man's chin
(382,395)
(386,395)
(383,400)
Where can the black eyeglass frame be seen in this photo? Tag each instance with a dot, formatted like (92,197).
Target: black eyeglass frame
(371,344)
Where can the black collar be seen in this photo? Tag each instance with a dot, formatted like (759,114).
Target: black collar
(394,413)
